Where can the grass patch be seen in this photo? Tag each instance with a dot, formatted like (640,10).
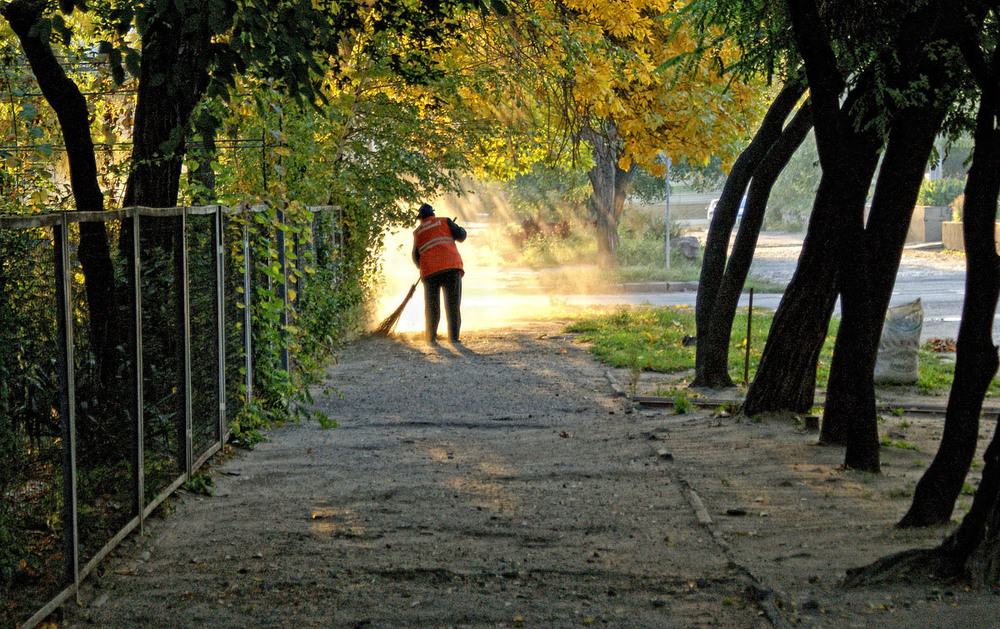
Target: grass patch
(681,270)
(900,444)
(651,339)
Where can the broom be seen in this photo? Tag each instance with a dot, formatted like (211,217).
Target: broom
(386,327)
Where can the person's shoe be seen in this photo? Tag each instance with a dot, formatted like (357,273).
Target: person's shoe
(455,341)
(432,340)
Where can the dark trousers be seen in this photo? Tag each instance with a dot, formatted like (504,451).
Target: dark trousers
(451,282)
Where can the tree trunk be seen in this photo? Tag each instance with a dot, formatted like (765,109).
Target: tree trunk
(70,107)
(716,341)
(974,545)
(787,371)
(976,358)
(609,183)
(850,416)
(173,77)
(873,260)
(786,375)
(713,266)
(972,552)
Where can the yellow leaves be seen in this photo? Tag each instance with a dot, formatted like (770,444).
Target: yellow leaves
(629,63)
(593,85)
(622,18)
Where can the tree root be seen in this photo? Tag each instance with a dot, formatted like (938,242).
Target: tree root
(918,564)
(917,519)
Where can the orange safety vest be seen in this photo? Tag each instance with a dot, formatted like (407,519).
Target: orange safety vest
(436,246)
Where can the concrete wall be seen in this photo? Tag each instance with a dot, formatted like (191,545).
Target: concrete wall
(925,226)
(952,235)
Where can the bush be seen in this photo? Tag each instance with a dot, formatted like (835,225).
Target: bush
(940,192)
(546,251)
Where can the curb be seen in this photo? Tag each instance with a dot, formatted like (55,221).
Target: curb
(659,287)
(987,412)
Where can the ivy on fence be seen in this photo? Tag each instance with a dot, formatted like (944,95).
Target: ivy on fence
(208,347)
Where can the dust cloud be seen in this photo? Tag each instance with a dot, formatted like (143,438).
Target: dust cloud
(494,295)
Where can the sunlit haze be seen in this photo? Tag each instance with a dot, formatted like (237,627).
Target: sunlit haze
(493,296)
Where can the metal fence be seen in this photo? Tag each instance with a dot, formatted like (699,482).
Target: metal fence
(96,433)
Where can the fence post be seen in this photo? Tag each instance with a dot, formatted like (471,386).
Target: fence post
(220,311)
(337,239)
(247,317)
(67,397)
(186,324)
(283,287)
(298,278)
(140,459)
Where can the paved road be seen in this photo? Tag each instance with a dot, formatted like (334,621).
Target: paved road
(496,297)
(937,279)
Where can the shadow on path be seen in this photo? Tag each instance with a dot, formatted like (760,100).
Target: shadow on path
(493,484)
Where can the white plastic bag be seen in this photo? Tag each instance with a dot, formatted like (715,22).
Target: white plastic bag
(898,348)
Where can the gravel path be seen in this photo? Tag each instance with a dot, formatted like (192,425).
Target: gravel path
(501,485)
(504,484)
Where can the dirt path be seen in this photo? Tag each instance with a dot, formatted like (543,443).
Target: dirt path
(504,485)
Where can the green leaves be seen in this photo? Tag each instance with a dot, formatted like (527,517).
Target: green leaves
(120,58)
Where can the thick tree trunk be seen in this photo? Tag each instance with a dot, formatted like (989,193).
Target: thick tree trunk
(70,107)
(976,359)
(609,183)
(713,266)
(786,375)
(975,545)
(850,415)
(172,79)
(873,260)
(607,238)
(716,341)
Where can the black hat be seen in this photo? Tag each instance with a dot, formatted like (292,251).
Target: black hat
(425,211)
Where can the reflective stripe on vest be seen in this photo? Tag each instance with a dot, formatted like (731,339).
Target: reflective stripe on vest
(436,246)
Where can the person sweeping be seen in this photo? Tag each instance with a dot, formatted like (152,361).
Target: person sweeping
(436,255)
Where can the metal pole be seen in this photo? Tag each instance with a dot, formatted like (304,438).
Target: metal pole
(140,458)
(283,287)
(746,365)
(247,315)
(220,316)
(67,398)
(666,178)
(186,323)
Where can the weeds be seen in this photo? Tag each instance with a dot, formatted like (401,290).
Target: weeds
(657,334)
(902,445)
(731,408)
(201,484)
(682,404)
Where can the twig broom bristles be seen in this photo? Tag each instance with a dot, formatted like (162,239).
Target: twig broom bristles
(387,326)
